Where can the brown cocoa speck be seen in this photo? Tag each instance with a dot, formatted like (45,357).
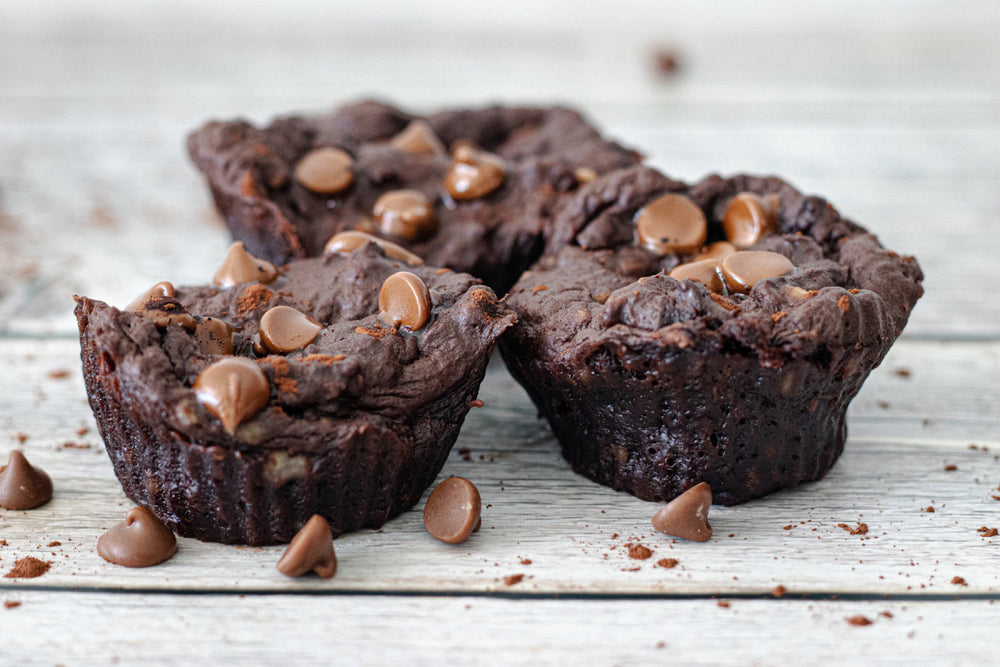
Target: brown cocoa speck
(951,467)
(959,581)
(668,562)
(21,437)
(883,405)
(859,620)
(723,604)
(779,591)
(887,614)
(666,61)
(929,508)
(639,552)
(54,543)
(903,372)
(11,604)
(525,561)
(513,579)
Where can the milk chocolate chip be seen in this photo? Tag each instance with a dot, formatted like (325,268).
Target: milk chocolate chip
(408,214)
(349,241)
(743,269)
(452,512)
(140,541)
(686,516)
(284,329)
(310,549)
(418,137)
(214,336)
(474,173)
(703,270)
(22,485)
(325,171)
(747,219)
(404,301)
(159,305)
(717,251)
(671,224)
(242,267)
(233,389)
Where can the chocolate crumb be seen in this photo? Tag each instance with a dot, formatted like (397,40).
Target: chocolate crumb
(929,508)
(668,562)
(10,604)
(723,604)
(378,333)
(986,532)
(28,567)
(58,374)
(476,403)
(69,444)
(779,591)
(666,61)
(959,581)
(887,614)
(525,561)
(83,430)
(21,437)
(54,543)
(512,579)
(638,552)
(903,372)
(884,405)
(788,527)
(951,467)
(859,620)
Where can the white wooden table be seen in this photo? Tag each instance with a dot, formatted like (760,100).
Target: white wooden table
(891,111)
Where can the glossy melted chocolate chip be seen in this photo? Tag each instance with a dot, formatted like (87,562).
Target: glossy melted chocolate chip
(310,549)
(418,137)
(747,219)
(404,301)
(474,173)
(140,541)
(284,329)
(214,336)
(240,266)
(686,516)
(22,485)
(159,305)
(407,214)
(325,171)
(452,512)
(233,389)
(717,251)
(671,224)
(349,241)
(704,271)
(743,269)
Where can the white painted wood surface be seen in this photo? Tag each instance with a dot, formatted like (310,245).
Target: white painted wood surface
(891,110)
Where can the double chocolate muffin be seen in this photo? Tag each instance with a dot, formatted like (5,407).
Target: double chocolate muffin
(334,385)
(712,333)
(470,189)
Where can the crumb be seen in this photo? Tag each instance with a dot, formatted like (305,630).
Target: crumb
(54,543)
(887,614)
(58,374)
(476,403)
(951,467)
(859,620)
(28,567)
(884,405)
(539,288)
(776,317)
(986,532)
(929,508)
(667,562)
(959,581)
(788,527)
(861,529)
(83,430)
(666,61)
(10,604)
(69,444)
(512,579)
(465,453)
(779,591)
(639,552)
(903,372)
(723,604)
(661,644)
(525,561)
(21,437)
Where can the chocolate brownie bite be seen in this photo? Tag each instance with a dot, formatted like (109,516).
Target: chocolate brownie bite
(236,411)
(665,353)
(285,189)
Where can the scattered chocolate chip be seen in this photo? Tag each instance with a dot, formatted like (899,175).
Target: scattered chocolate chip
(349,241)
(284,329)
(159,305)
(418,137)
(28,567)
(453,510)
(310,549)
(747,219)
(233,389)
(22,485)
(639,552)
(404,301)
(474,173)
(525,561)
(325,171)
(141,540)
(214,336)
(671,224)
(407,214)
(717,251)
(512,579)
(742,270)
(686,516)
(704,271)
(240,266)
(668,563)
(859,620)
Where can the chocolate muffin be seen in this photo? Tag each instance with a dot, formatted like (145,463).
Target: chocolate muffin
(713,333)
(334,385)
(284,190)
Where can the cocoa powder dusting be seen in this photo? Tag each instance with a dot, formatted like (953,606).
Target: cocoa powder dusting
(254,297)
(28,567)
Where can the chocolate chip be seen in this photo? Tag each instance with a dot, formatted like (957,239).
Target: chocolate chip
(686,516)
(349,241)
(325,171)
(404,301)
(418,137)
(474,173)
(704,271)
(747,219)
(671,224)
(22,485)
(214,336)
(743,269)
(140,541)
(233,389)
(242,267)
(584,175)
(717,251)
(452,512)
(408,214)
(159,305)
(310,549)
(285,329)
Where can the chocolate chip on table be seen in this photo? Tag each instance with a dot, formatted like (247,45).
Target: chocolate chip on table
(743,269)
(418,137)
(452,512)
(140,541)
(22,485)
(159,305)
(747,219)
(310,549)
(325,171)
(349,241)
(686,516)
(285,329)
(233,389)
(671,224)
(404,301)
(704,271)
(717,251)
(474,173)
(214,336)
(407,214)
(240,266)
